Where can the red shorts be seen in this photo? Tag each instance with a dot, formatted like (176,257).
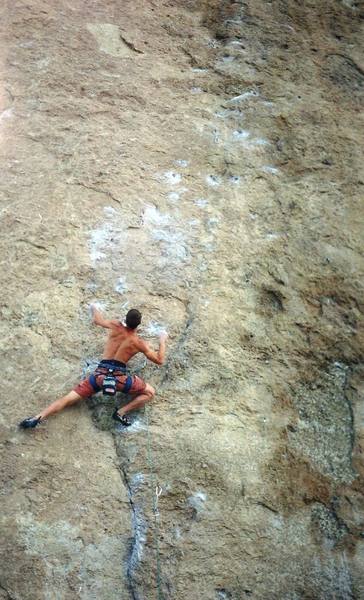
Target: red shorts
(85,389)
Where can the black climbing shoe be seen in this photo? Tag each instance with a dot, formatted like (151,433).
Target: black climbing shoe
(29,423)
(122,420)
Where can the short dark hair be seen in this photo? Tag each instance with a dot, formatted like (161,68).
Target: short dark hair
(133,318)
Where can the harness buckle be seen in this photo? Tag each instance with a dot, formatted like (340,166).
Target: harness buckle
(109,385)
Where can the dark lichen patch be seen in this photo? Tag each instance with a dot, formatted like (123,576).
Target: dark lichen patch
(324,433)
(345,73)
(327,526)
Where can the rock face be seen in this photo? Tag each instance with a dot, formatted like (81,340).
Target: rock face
(198,160)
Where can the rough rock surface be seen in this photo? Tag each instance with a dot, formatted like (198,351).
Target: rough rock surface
(199,160)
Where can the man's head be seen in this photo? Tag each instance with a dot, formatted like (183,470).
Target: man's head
(133,318)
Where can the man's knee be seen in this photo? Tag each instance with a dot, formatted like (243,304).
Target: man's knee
(149,391)
(71,398)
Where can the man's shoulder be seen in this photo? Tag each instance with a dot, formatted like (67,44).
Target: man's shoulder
(115,324)
(140,341)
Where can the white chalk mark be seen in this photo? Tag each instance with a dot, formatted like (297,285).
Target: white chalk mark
(244,96)
(260,142)
(171,177)
(227,59)
(154,328)
(213,180)
(240,134)
(6,114)
(152,217)
(110,211)
(98,240)
(229,113)
(271,170)
(201,202)
(197,501)
(163,229)
(121,286)
(272,236)
(174,196)
(135,427)
(98,305)
(106,237)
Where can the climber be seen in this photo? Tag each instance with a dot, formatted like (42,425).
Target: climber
(111,375)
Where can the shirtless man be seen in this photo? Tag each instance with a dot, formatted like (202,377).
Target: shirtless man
(121,345)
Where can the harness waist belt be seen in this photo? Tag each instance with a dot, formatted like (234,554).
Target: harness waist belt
(111,364)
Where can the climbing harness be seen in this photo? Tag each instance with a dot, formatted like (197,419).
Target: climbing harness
(111,370)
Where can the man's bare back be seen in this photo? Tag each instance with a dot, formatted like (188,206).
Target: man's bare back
(123,343)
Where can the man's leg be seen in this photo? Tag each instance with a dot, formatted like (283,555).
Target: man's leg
(139,400)
(60,404)
(82,391)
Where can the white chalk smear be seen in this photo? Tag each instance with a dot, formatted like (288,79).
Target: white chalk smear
(260,142)
(271,170)
(235,43)
(152,217)
(201,202)
(244,96)
(174,196)
(234,179)
(164,229)
(175,246)
(197,501)
(110,211)
(135,427)
(213,221)
(6,114)
(92,286)
(107,236)
(102,306)
(182,163)
(200,71)
(154,328)
(171,177)
(240,134)
(121,286)
(213,180)
(98,240)
(196,90)
(229,113)
(227,59)
(136,481)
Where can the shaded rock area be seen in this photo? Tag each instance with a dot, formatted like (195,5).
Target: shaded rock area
(199,160)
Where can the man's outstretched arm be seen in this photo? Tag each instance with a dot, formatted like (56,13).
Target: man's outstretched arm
(98,319)
(159,356)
